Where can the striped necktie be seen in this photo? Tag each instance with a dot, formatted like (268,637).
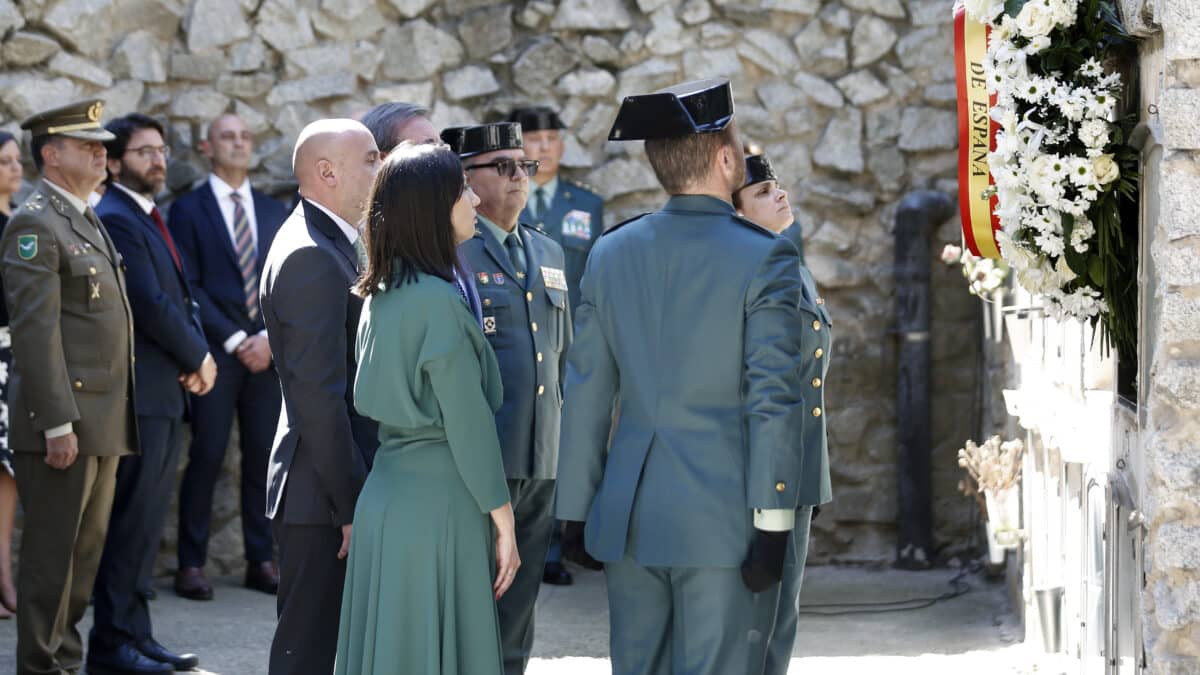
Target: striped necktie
(246,254)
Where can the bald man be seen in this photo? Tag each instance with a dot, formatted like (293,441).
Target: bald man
(322,447)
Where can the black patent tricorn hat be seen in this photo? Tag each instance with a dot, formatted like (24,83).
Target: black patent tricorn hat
(536,118)
(476,140)
(77,120)
(698,107)
(759,170)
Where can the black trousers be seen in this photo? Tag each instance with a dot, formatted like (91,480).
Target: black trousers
(309,602)
(254,399)
(140,504)
(533,510)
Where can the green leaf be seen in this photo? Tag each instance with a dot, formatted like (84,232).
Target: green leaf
(1096,272)
(1013,7)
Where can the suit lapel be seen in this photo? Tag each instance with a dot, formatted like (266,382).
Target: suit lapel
(327,227)
(156,236)
(212,209)
(533,261)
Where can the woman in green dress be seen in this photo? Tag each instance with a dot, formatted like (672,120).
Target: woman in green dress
(763,201)
(433,544)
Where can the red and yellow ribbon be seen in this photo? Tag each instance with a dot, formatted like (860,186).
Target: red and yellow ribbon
(976,136)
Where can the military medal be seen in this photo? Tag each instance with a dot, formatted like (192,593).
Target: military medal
(498,278)
(489,325)
(95,286)
(483,278)
(554,278)
(577,224)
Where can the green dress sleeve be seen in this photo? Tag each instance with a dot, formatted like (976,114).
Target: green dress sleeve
(457,368)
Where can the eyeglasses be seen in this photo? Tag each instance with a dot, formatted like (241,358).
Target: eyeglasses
(508,167)
(148,152)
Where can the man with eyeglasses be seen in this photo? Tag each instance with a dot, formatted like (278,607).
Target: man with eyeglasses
(173,360)
(224,229)
(523,290)
(71,412)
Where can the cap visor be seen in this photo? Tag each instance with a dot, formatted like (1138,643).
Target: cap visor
(102,135)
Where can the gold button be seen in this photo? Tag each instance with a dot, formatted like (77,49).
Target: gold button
(79,384)
(816,325)
(539,357)
(780,486)
(487,302)
(91,270)
(819,353)
(541,389)
(816,412)
(528,297)
(533,326)
(817,382)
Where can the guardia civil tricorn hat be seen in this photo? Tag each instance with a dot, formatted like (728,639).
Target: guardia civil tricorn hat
(759,170)
(476,140)
(699,107)
(78,120)
(536,118)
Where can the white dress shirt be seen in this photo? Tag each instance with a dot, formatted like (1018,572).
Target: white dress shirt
(223,192)
(347,229)
(143,203)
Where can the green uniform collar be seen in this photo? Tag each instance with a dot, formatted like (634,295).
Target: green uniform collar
(497,232)
(699,203)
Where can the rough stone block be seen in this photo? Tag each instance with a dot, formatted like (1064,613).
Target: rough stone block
(861,87)
(215,23)
(439,50)
(701,64)
(594,82)
(198,104)
(410,9)
(338,27)
(840,147)
(806,7)
(284,25)
(599,50)
(695,12)
(140,56)
(892,9)
(10,17)
(27,49)
(768,51)
(666,35)
(1181,28)
(469,82)
(887,164)
(486,31)
(1179,185)
(871,40)
(123,98)
(592,15)
(1176,261)
(202,67)
(648,76)
(622,176)
(27,95)
(926,48)
(1176,546)
(312,89)
(923,128)
(1179,379)
(83,70)
(819,91)
(255,121)
(245,85)
(419,93)
(1177,112)
(930,12)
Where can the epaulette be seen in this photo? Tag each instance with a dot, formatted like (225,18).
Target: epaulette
(536,227)
(623,223)
(742,220)
(580,185)
(35,203)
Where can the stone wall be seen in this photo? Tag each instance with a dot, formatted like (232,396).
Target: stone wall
(1170,344)
(852,98)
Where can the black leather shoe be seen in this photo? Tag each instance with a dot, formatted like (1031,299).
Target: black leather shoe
(262,576)
(151,648)
(557,575)
(191,583)
(124,659)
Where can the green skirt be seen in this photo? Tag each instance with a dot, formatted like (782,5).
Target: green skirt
(418,594)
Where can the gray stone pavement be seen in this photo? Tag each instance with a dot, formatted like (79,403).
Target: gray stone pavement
(973,633)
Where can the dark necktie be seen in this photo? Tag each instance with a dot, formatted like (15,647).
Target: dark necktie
(539,201)
(166,235)
(247,255)
(515,252)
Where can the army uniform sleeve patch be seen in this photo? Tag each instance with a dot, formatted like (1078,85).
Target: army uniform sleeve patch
(27,246)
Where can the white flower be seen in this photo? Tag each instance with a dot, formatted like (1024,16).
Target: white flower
(1051,244)
(1063,272)
(1094,133)
(1035,19)
(1081,233)
(1036,44)
(983,11)
(1006,30)
(951,254)
(1081,173)
(1091,68)
(1104,169)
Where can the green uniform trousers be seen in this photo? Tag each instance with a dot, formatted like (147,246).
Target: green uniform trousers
(533,511)
(783,636)
(66,520)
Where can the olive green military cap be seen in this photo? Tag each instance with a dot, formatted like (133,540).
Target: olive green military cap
(78,120)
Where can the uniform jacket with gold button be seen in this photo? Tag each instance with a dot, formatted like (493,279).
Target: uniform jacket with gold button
(528,324)
(689,315)
(72,329)
(813,482)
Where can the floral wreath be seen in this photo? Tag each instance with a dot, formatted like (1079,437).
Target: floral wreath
(1061,168)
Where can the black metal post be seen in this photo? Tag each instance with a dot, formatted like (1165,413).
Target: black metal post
(919,213)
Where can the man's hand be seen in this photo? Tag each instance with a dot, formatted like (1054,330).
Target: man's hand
(61,451)
(763,566)
(254,353)
(207,374)
(345,550)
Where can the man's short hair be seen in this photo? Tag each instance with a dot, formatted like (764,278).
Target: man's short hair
(384,122)
(36,145)
(681,161)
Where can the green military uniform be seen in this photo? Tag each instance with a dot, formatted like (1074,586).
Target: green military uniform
(72,353)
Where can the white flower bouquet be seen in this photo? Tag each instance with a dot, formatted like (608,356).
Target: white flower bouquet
(1061,169)
(984,276)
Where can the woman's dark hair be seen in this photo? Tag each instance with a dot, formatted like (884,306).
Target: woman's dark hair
(409,229)
(5,137)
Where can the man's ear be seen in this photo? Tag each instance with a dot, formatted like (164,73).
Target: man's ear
(205,147)
(326,172)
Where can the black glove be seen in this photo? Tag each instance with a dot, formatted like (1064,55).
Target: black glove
(763,566)
(573,548)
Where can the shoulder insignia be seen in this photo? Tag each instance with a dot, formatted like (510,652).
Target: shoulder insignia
(536,227)
(35,203)
(57,203)
(584,187)
(27,246)
(623,223)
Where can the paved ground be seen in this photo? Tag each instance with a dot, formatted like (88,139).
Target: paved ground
(973,633)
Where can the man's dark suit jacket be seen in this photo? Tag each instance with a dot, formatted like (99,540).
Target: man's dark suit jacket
(208,256)
(322,446)
(168,339)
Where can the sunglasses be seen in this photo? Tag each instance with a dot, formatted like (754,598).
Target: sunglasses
(508,167)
